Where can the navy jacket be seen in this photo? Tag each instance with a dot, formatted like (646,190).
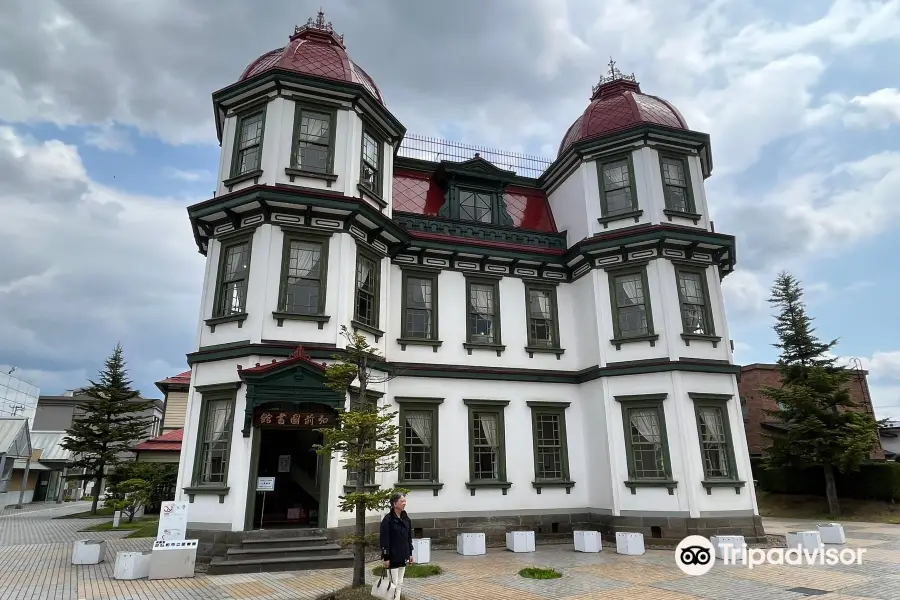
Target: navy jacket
(396,539)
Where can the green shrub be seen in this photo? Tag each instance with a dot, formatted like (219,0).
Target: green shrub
(413,571)
(873,481)
(540,573)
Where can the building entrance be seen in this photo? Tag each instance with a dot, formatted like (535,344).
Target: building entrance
(284,453)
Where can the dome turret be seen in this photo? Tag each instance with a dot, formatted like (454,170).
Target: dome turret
(617,104)
(315,50)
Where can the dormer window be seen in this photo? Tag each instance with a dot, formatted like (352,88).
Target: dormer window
(475,206)
(474,191)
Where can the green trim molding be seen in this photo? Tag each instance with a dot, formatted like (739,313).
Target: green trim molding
(280,349)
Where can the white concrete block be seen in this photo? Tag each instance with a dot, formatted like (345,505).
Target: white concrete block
(805,540)
(832,533)
(422,551)
(89,552)
(173,559)
(470,544)
(629,543)
(520,541)
(588,541)
(132,565)
(733,543)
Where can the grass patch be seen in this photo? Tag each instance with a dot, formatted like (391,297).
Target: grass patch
(815,508)
(413,571)
(148,529)
(102,511)
(349,593)
(539,573)
(145,527)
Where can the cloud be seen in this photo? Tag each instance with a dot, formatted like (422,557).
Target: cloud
(192,176)
(109,138)
(880,109)
(89,266)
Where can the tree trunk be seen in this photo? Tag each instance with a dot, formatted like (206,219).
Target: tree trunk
(359,554)
(834,506)
(98,479)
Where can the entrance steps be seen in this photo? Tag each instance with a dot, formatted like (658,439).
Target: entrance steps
(282,550)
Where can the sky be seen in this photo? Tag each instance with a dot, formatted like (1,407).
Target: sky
(107,134)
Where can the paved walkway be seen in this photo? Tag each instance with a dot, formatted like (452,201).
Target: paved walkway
(36,524)
(44,572)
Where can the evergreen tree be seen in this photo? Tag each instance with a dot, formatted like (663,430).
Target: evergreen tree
(110,422)
(818,429)
(366,436)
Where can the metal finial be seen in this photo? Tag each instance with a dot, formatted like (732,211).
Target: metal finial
(320,19)
(612,67)
(613,74)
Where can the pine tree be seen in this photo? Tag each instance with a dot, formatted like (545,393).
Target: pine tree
(109,424)
(818,429)
(367,438)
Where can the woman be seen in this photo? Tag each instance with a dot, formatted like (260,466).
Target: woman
(396,539)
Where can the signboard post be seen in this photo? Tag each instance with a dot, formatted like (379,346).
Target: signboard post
(172,521)
(264,484)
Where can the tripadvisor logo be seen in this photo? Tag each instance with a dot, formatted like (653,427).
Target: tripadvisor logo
(694,555)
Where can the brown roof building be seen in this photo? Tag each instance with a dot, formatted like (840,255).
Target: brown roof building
(757,423)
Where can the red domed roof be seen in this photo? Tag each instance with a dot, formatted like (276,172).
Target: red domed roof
(616,105)
(315,49)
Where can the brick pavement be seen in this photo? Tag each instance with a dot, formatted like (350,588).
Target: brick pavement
(36,524)
(44,572)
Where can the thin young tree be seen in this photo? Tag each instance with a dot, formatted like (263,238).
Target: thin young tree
(107,424)
(820,429)
(365,435)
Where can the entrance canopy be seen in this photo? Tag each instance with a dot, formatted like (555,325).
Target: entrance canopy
(15,441)
(296,380)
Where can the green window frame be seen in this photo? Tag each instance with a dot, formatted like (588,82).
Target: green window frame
(419,308)
(313,140)
(248,142)
(618,191)
(371,162)
(232,281)
(487,445)
(632,313)
(419,443)
(695,308)
(676,181)
(367,292)
(542,319)
(303,281)
(646,442)
(551,445)
(716,441)
(212,452)
(483,314)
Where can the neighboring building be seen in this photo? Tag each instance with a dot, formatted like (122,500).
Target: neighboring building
(556,329)
(163,449)
(175,394)
(18,398)
(55,415)
(889,434)
(758,424)
(15,443)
